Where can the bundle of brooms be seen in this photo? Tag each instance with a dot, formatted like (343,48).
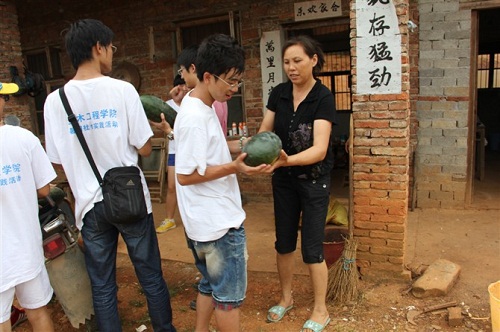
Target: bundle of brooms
(343,275)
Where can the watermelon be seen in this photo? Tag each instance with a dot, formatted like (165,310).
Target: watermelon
(56,194)
(154,106)
(263,148)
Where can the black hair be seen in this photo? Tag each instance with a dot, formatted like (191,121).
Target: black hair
(219,54)
(311,47)
(178,80)
(82,36)
(187,57)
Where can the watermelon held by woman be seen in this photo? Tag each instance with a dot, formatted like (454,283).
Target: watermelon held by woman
(263,148)
(154,106)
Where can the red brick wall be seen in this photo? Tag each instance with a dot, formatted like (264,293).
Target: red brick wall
(382,123)
(131,23)
(381,165)
(10,51)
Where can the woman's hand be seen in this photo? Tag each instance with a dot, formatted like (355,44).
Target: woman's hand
(163,125)
(280,162)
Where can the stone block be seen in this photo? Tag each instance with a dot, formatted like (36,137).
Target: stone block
(433,35)
(448,43)
(425,123)
(425,7)
(432,54)
(430,18)
(430,132)
(426,111)
(431,72)
(459,34)
(431,91)
(435,150)
(438,279)
(459,15)
(428,203)
(444,123)
(456,73)
(446,63)
(446,7)
(456,91)
(458,53)
(454,316)
(443,141)
(454,168)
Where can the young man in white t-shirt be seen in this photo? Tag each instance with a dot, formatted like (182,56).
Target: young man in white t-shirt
(207,188)
(116,129)
(25,173)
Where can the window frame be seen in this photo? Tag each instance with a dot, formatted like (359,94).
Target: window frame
(491,74)
(54,80)
(234,21)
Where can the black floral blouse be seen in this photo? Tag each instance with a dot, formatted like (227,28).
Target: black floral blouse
(295,129)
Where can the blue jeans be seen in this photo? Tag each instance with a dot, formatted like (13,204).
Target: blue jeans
(223,265)
(101,239)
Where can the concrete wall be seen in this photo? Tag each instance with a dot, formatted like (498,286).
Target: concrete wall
(443,103)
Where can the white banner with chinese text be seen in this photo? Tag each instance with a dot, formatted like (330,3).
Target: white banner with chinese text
(271,63)
(378,47)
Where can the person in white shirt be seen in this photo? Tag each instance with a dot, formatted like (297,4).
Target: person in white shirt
(207,187)
(25,174)
(114,124)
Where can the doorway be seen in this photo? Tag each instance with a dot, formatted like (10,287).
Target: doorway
(486,175)
(333,36)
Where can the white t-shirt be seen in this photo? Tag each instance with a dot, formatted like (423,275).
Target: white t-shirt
(171,143)
(208,209)
(114,125)
(24,168)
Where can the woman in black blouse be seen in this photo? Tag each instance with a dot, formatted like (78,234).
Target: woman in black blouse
(301,112)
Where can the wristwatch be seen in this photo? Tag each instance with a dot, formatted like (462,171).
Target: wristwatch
(171,135)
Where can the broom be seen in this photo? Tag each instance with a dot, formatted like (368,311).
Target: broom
(343,275)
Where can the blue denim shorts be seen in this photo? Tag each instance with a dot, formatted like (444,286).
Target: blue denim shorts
(171,160)
(223,265)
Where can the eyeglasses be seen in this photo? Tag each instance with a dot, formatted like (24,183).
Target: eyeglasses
(232,86)
(114,48)
(179,71)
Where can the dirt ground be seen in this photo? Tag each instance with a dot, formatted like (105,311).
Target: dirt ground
(469,238)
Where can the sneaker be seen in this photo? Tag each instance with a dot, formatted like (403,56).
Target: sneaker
(17,316)
(166,225)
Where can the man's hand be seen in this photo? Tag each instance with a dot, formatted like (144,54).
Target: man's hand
(241,167)
(163,125)
(174,93)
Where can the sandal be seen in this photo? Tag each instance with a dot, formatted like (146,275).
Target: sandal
(313,326)
(17,316)
(279,311)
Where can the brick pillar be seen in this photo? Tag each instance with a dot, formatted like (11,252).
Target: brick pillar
(10,50)
(381,166)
